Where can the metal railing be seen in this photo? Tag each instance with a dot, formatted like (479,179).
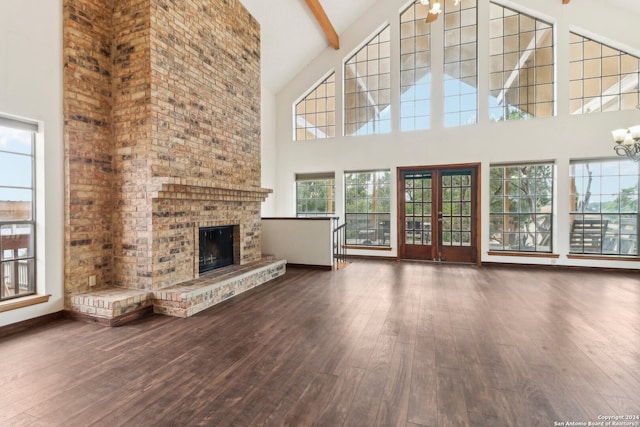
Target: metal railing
(15,279)
(339,245)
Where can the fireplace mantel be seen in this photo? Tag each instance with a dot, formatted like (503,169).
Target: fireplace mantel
(179,207)
(204,189)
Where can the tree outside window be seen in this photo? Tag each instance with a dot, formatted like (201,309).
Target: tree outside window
(315,195)
(604,207)
(521,209)
(368,207)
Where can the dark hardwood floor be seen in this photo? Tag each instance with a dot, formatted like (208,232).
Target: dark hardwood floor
(379,343)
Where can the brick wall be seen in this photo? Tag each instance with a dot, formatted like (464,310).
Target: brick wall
(162,136)
(132,141)
(89,150)
(205,91)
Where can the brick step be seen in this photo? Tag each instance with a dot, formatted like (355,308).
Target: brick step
(115,305)
(107,304)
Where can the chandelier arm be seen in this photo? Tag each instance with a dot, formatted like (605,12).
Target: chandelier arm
(628,141)
(630,151)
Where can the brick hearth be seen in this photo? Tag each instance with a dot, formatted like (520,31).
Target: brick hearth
(189,298)
(117,305)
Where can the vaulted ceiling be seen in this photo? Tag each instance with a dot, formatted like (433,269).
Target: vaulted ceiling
(291,36)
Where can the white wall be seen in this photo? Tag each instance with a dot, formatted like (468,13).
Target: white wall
(268,147)
(305,241)
(31,88)
(560,138)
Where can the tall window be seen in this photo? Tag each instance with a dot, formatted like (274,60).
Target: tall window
(315,194)
(316,113)
(17,222)
(368,207)
(604,207)
(460,63)
(367,87)
(521,65)
(601,78)
(415,68)
(521,209)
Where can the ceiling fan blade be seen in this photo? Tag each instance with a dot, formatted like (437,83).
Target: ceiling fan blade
(432,17)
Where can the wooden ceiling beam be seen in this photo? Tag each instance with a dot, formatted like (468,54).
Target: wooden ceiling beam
(324,22)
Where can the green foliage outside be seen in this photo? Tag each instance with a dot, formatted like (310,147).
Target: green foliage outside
(315,198)
(521,188)
(626,200)
(512,113)
(521,207)
(606,192)
(368,192)
(368,207)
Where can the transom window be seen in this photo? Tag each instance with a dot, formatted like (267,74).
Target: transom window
(367,87)
(460,63)
(602,78)
(415,68)
(521,76)
(316,113)
(521,65)
(17,223)
(604,207)
(521,208)
(315,194)
(368,207)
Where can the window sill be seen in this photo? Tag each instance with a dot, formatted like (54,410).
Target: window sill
(524,254)
(14,304)
(368,248)
(604,257)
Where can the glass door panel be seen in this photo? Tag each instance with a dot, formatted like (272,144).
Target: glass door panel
(456,209)
(418,213)
(457,215)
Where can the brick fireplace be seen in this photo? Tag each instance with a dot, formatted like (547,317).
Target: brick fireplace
(162,137)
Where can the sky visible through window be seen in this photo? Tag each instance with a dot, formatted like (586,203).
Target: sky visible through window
(382,124)
(468,103)
(411,114)
(15,165)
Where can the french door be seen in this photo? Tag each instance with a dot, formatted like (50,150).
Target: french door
(438,213)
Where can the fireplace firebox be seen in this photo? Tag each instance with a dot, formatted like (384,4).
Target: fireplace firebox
(215,248)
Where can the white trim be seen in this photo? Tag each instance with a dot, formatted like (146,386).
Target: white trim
(18,123)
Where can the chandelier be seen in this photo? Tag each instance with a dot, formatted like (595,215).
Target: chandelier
(436,8)
(627,142)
